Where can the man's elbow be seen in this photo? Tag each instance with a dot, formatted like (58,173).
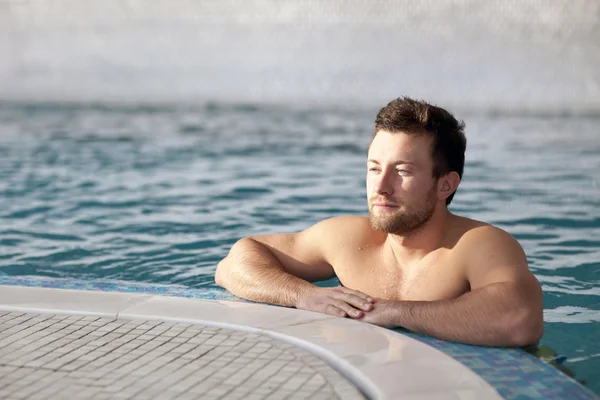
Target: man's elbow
(527,325)
(224,267)
(220,273)
(224,273)
(527,329)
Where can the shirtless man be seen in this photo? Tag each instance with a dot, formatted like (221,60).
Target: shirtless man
(411,263)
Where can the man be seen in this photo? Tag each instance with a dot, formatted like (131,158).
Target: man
(411,263)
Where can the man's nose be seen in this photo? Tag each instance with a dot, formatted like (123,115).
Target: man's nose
(383,184)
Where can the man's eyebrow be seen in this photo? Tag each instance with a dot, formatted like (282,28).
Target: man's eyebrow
(397,162)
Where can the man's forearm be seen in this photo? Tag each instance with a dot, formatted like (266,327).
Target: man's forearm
(250,271)
(492,316)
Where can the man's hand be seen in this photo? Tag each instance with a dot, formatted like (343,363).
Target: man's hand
(381,314)
(338,301)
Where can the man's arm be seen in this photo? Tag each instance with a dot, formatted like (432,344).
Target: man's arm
(278,269)
(503,308)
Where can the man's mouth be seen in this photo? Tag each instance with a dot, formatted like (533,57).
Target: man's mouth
(385,205)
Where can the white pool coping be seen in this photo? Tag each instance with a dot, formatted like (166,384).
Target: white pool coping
(384,364)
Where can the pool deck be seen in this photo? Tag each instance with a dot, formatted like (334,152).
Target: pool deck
(71,344)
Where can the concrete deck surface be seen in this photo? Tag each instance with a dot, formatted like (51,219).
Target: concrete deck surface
(46,356)
(70,344)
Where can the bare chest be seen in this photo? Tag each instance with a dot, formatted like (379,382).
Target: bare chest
(438,277)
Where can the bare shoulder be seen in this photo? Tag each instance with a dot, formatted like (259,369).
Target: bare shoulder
(326,234)
(481,237)
(310,253)
(345,230)
(347,220)
(490,254)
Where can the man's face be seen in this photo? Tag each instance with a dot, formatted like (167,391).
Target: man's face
(401,190)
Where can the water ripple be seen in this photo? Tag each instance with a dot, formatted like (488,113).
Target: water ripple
(158,195)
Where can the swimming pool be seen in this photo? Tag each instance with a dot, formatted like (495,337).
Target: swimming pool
(156,195)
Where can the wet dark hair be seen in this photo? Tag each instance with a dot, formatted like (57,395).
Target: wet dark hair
(418,117)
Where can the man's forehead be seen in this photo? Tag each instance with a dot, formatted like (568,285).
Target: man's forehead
(386,144)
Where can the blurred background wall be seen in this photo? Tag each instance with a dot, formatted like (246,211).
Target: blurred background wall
(516,55)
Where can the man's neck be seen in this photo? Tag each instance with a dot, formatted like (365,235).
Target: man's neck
(412,247)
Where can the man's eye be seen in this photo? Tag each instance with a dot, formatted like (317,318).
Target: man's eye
(373,169)
(403,171)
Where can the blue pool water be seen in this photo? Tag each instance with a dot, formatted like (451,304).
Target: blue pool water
(157,195)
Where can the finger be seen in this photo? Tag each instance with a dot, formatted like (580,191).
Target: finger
(335,311)
(348,309)
(355,301)
(362,295)
(358,315)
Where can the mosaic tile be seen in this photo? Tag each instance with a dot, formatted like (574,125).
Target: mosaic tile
(162,371)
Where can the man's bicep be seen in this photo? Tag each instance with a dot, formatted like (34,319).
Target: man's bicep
(499,265)
(301,254)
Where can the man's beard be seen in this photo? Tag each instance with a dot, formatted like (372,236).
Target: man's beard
(404,221)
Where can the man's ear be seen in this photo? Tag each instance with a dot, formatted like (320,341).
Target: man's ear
(448,184)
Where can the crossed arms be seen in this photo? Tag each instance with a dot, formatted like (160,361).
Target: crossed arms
(503,308)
